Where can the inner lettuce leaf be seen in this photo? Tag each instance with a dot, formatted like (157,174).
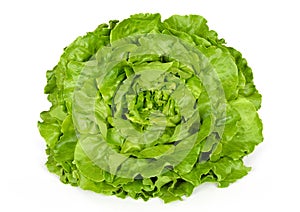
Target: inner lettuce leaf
(150,108)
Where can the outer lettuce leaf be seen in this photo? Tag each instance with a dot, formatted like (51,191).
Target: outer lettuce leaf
(136,24)
(247,89)
(194,25)
(248,134)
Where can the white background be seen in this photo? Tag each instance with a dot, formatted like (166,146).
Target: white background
(33,35)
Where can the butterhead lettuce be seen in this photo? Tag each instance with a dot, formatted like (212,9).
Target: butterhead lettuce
(150,108)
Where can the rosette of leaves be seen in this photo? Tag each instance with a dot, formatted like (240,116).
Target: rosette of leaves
(149,108)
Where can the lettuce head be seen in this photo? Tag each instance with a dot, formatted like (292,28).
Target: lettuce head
(150,108)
